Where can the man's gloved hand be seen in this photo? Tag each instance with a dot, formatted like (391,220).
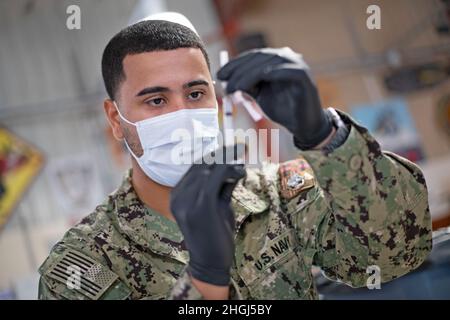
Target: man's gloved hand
(200,203)
(278,80)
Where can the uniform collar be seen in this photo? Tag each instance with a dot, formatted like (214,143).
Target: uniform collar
(145,226)
(245,203)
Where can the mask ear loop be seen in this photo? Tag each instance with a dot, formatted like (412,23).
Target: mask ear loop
(121,116)
(129,122)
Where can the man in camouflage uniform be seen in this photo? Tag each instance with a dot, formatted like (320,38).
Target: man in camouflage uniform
(343,205)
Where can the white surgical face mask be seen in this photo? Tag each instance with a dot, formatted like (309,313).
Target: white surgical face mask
(173,141)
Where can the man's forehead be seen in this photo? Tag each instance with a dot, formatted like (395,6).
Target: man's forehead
(190,58)
(164,67)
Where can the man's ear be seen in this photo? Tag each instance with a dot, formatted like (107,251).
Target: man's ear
(113,118)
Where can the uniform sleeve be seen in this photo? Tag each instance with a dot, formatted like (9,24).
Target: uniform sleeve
(44,292)
(375,211)
(72,274)
(184,289)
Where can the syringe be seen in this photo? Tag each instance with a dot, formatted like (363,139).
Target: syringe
(227,105)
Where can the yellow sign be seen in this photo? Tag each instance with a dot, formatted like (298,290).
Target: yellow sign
(20,162)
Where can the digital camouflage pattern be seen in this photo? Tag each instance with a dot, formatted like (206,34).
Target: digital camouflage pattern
(343,211)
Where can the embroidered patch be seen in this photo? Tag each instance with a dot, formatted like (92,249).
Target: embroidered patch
(273,251)
(295,176)
(81,273)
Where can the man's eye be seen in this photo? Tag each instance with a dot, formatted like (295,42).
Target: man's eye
(155,102)
(196,95)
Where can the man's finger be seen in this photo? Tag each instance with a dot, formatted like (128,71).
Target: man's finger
(190,182)
(285,72)
(225,72)
(246,82)
(222,174)
(238,172)
(257,62)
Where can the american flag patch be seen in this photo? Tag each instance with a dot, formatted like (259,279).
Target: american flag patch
(81,273)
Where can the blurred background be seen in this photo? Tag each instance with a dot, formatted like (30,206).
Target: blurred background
(58,159)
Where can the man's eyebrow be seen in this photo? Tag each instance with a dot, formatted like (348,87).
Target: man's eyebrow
(195,83)
(149,90)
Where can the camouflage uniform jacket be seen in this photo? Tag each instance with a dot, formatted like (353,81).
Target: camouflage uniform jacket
(343,211)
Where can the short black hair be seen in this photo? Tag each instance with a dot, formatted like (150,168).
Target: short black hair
(144,36)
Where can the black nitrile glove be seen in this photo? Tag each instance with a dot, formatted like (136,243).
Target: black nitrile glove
(278,80)
(200,203)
